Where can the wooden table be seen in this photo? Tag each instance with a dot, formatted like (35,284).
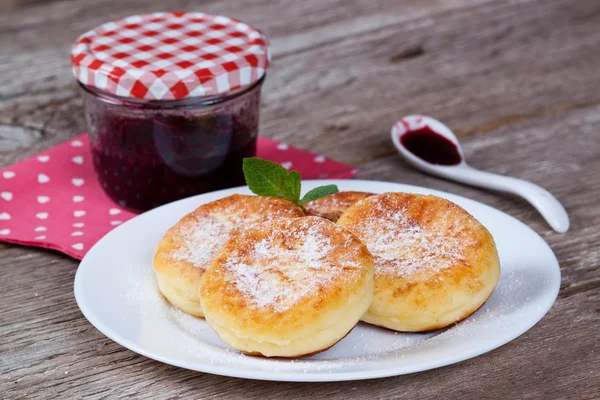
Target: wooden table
(519,83)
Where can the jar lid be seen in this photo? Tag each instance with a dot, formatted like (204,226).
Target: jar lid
(169,56)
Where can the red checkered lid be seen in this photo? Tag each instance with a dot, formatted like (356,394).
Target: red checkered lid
(168,56)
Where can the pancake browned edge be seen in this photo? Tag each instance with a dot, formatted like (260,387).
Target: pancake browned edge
(435,264)
(288,288)
(334,205)
(189,247)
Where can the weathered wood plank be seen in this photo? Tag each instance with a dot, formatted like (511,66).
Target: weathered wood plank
(515,79)
(510,65)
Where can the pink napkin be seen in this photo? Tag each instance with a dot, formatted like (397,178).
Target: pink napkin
(53,199)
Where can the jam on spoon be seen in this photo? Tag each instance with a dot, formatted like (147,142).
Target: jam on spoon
(430,146)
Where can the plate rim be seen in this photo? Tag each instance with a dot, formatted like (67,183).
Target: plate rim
(294,376)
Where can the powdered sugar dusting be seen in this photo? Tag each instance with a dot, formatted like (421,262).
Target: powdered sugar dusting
(292,262)
(401,246)
(203,238)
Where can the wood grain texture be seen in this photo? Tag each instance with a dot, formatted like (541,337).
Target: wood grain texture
(517,80)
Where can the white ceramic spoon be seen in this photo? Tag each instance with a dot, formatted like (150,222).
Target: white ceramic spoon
(454,167)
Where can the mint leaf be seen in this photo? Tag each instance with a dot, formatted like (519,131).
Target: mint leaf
(318,192)
(264,178)
(292,186)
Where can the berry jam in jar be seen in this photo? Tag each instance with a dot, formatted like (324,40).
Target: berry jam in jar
(172,104)
(145,157)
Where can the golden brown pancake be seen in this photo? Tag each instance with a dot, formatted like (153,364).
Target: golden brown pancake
(435,264)
(189,247)
(287,288)
(332,206)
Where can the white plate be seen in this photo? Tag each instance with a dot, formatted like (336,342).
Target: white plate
(116,291)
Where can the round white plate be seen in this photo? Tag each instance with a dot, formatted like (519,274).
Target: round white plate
(116,291)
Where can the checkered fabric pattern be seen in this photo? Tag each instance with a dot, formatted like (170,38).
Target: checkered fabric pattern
(169,56)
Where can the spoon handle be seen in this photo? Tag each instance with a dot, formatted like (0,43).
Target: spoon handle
(550,208)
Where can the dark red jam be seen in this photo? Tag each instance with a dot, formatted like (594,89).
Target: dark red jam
(431,146)
(146,158)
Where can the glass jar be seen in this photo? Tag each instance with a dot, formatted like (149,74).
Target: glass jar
(153,138)
(149,154)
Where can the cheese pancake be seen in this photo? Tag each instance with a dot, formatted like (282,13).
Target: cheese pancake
(435,264)
(288,288)
(332,206)
(189,247)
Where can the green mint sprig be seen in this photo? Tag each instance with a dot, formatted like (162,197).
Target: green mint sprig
(266,178)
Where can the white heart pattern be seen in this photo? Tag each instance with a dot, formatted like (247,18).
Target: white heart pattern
(77,246)
(76,143)
(114,211)
(5,232)
(78,225)
(78,233)
(6,196)
(43,178)
(8,174)
(319,159)
(78,199)
(282,146)
(79,213)
(287,165)
(43,159)
(42,237)
(4,216)
(116,222)
(77,160)
(40,229)
(42,215)
(77,181)
(43,199)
